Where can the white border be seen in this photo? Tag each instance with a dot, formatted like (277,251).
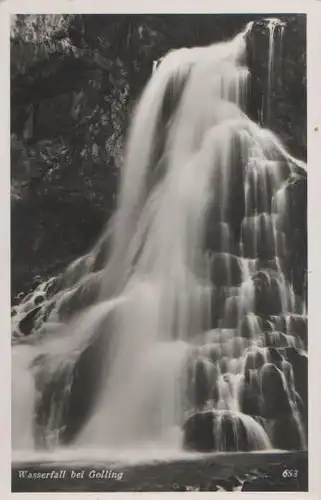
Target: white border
(313,9)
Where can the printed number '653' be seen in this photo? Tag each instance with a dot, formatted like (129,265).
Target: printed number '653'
(287,473)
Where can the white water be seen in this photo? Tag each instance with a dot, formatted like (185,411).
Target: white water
(272,25)
(157,265)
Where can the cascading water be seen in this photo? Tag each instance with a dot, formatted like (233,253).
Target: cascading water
(180,324)
(272,25)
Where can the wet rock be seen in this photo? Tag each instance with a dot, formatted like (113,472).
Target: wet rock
(48,309)
(275,357)
(228,204)
(39,299)
(203,383)
(279,171)
(82,296)
(250,327)
(268,294)
(218,301)
(281,247)
(259,190)
(226,270)
(275,395)
(287,370)
(254,360)
(286,433)
(224,364)
(75,272)
(258,237)
(223,431)
(27,323)
(250,395)
(198,432)
(280,339)
(274,264)
(262,182)
(291,205)
(299,363)
(297,170)
(277,323)
(211,351)
(298,325)
(233,309)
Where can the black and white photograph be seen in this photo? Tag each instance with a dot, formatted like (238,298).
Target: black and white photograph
(159,278)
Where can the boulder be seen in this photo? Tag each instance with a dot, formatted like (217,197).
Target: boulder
(274,356)
(276,403)
(287,433)
(217,430)
(203,384)
(254,360)
(250,400)
(226,270)
(250,327)
(268,294)
(198,432)
(27,323)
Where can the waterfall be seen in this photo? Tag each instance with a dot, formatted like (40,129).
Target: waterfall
(272,25)
(179,316)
